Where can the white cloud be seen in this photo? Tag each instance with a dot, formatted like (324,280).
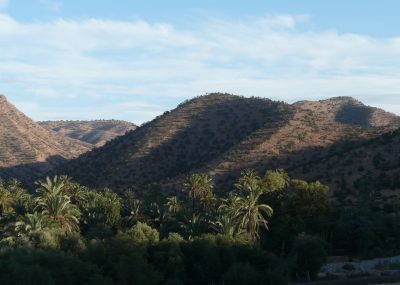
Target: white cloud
(275,56)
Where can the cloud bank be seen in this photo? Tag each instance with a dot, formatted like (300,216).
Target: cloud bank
(116,67)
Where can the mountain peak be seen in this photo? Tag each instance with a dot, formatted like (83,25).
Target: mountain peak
(28,150)
(96,132)
(342,100)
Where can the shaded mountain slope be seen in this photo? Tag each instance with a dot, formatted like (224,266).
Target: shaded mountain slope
(28,150)
(316,130)
(179,141)
(96,132)
(370,168)
(222,134)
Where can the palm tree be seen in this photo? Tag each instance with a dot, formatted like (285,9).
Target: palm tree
(23,202)
(230,205)
(32,224)
(50,186)
(193,225)
(6,201)
(173,204)
(209,202)
(196,186)
(77,193)
(225,224)
(132,208)
(59,209)
(251,213)
(226,221)
(249,181)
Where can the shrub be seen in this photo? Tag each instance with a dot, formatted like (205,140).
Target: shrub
(144,234)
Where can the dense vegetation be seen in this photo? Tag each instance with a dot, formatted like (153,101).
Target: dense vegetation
(267,230)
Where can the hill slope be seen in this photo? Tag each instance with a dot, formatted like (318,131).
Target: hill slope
(222,134)
(178,141)
(27,149)
(370,168)
(96,132)
(316,130)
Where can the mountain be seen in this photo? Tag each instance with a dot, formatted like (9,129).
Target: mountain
(315,131)
(96,132)
(370,168)
(28,150)
(179,141)
(221,134)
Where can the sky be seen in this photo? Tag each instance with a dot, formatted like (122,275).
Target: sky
(135,59)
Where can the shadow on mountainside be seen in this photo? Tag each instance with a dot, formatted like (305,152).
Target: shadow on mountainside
(27,174)
(209,132)
(352,166)
(355,114)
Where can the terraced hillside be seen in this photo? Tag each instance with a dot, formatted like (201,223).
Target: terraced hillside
(96,132)
(222,134)
(28,150)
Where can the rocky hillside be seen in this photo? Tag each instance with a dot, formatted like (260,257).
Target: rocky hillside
(315,131)
(96,132)
(222,134)
(27,149)
(187,138)
(370,168)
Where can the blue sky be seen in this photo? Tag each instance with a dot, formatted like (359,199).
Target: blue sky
(134,59)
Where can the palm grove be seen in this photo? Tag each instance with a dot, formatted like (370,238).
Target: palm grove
(267,230)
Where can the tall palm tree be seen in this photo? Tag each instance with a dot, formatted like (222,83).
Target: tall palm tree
(248,181)
(249,211)
(196,186)
(131,208)
(173,204)
(51,186)
(226,221)
(32,224)
(225,224)
(209,202)
(6,201)
(59,209)
(23,202)
(230,205)
(251,214)
(77,193)
(193,225)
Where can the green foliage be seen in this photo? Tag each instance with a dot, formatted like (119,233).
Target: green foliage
(275,180)
(144,234)
(250,212)
(198,187)
(173,204)
(203,237)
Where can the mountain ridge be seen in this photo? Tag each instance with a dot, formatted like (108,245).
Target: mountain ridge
(95,132)
(292,135)
(27,148)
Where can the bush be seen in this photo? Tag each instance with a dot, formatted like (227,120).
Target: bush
(144,234)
